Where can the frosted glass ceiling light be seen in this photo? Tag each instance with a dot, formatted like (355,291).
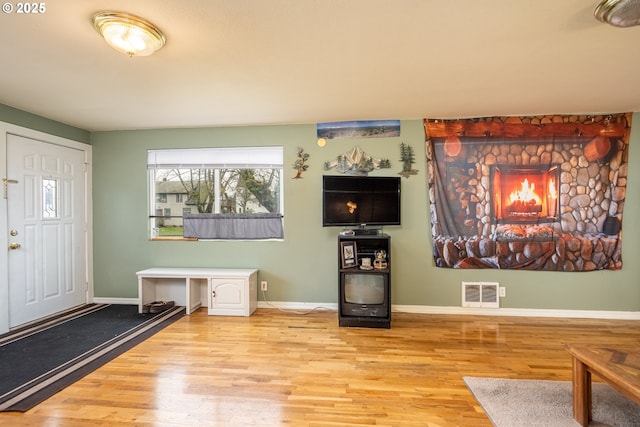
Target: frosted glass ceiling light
(128,34)
(619,13)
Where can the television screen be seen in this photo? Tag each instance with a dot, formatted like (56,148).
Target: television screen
(364,288)
(360,201)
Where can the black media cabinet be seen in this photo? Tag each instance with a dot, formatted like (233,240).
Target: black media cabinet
(365,294)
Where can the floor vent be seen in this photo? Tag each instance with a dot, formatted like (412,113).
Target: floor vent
(480,294)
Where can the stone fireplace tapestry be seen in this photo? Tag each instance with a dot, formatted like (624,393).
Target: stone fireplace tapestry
(534,193)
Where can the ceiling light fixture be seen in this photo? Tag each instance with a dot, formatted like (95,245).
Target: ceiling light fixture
(619,13)
(128,34)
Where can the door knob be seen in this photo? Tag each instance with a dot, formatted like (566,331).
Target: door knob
(14,246)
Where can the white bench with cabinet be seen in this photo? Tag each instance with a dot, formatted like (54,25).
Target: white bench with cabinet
(224,291)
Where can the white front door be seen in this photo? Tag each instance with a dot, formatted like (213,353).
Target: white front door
(47,264)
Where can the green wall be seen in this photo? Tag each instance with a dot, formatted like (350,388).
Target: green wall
(42,124)
(303,267)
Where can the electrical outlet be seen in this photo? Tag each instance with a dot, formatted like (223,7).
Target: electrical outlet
(503,292)
(263,285)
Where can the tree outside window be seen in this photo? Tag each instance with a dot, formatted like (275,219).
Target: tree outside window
(211,190)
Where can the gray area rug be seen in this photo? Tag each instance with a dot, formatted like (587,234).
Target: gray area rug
(515,403)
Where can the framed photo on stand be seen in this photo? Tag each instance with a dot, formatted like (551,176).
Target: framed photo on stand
(348,254)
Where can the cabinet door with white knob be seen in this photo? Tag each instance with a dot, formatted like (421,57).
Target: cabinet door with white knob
(231,296)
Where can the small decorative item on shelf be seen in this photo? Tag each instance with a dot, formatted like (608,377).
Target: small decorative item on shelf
(380,262)
(300,163)
(348,254)
(365,264)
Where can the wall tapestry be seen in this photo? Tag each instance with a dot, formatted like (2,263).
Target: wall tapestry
(533,193)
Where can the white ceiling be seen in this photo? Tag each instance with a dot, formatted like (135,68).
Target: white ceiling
(246,62)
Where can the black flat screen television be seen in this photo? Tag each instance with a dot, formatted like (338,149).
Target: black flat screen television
(358,201)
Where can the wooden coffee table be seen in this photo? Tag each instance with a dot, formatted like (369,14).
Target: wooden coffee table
(618,366)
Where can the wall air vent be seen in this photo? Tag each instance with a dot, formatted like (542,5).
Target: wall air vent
(480,294)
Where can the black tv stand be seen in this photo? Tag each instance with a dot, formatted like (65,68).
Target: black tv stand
(364,294)
(366,232)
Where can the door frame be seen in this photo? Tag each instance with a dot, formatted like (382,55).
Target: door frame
(10,129)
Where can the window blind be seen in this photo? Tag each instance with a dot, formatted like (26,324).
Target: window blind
(227,157)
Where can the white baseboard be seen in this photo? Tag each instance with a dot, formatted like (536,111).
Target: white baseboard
(520,312)
(284,305)
(516,312)
(429,309)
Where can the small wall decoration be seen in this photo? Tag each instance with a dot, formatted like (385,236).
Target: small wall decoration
(407,158)
(359,129)
(356,162)
(300,163)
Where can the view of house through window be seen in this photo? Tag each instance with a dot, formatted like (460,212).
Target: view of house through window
(197,192)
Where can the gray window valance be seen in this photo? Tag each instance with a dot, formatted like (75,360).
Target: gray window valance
(233,227)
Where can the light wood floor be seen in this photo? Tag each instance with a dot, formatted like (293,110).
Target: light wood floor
(285,369)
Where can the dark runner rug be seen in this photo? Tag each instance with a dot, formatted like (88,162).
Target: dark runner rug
(41,359)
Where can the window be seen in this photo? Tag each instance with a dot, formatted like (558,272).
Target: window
(219,193)
(49,198)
